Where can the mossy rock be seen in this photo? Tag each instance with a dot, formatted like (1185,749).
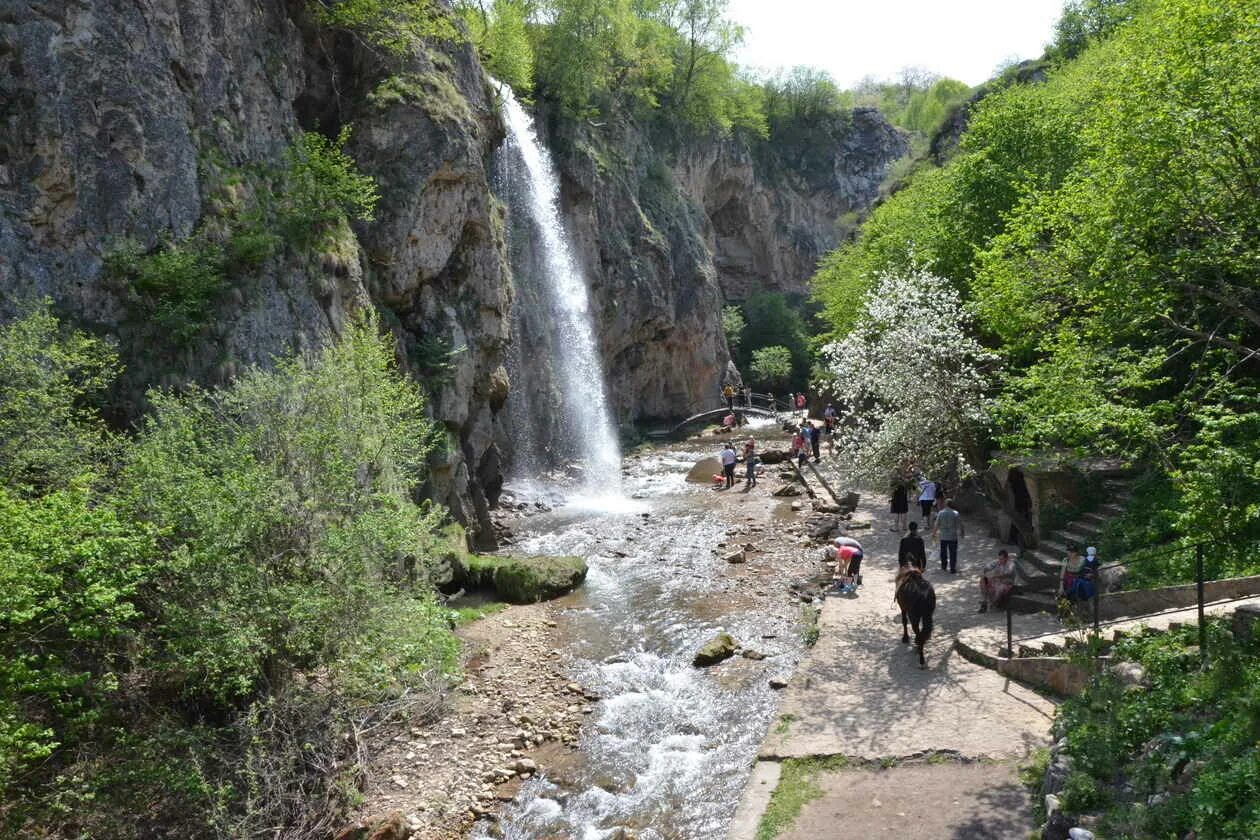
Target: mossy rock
(717,649)
(525,580)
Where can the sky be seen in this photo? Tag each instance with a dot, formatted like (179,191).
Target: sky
(962,39)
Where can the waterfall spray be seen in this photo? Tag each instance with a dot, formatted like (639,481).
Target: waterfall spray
(561,408)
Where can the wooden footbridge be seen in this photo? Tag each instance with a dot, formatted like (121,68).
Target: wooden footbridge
(755,405)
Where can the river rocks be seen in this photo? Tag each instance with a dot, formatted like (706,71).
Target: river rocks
(777,683)
(735,557)
(389,827)
(788,491)
(750,653)
(524,580)
(774,456)
(704,470)
(717,649)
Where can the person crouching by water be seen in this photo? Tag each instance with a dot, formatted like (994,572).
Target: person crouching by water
(846,553)
(728,457)
(750,465)
(997,579)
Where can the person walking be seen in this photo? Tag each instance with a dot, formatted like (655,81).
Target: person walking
(815,437)
(899,504)
(791,402)
(911,551)
(829,418)
(949,529)
(729,393)
(800,442)
(728,457)
(800,402)
(927,499)
(750,465)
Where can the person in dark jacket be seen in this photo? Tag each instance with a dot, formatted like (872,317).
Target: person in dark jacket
(815,435)
(911,551)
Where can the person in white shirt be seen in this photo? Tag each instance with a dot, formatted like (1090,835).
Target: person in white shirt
(728,458)
(927,500)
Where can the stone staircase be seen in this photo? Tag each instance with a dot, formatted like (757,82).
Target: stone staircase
(1037,570)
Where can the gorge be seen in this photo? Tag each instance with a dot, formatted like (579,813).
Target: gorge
(159,127)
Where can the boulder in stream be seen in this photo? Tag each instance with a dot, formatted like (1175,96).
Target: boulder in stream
(720,647)
(704,470)
(735,557)
(774,456)
(524,580)
(788,490)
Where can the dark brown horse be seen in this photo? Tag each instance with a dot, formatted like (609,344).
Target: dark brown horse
(917,600)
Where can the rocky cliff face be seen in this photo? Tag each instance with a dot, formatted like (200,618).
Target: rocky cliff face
(669,237)
(139,125)
(150,122)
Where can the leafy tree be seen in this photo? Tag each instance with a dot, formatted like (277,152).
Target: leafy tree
(51,383)
(911,382)
(501,33)
(771,321)
(396,27)
(1087,21)
(772,367)
(323,188)
(252,535)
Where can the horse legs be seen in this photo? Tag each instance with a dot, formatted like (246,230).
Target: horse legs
(905,634)
(922,631)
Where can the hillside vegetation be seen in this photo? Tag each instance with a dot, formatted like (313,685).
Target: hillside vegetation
(1103,230)
(202,617)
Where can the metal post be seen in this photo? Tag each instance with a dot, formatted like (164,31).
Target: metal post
(1010,653)
(1198,579)
(1097,598)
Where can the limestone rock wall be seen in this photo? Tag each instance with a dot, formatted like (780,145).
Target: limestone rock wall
(669,233)
(118,121)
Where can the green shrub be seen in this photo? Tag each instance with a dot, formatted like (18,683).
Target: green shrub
(174,287)
(322,189)
(192,650)
(1189,736)
(395,26)
(50,383)
(251,248)
(71,581)
(771,367)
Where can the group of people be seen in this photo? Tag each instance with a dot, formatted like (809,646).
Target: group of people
(730,459)
(732,393)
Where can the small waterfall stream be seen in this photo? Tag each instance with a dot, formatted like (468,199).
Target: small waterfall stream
(559,408)
(665,753)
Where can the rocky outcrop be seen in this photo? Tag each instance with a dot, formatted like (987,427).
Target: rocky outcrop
(155,122)
(130,127)
(768,222)
(670,233)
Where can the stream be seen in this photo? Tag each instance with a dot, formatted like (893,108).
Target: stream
(669,746)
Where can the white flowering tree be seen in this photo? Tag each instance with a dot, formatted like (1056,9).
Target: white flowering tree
(910,381)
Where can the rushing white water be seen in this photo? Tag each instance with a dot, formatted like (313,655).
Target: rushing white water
(565,415)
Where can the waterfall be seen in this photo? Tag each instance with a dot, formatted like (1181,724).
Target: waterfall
(558,407)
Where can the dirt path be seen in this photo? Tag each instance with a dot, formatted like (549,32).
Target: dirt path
(860,693)
(979,801)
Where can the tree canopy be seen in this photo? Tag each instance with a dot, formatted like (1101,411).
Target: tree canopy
(1104,229)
